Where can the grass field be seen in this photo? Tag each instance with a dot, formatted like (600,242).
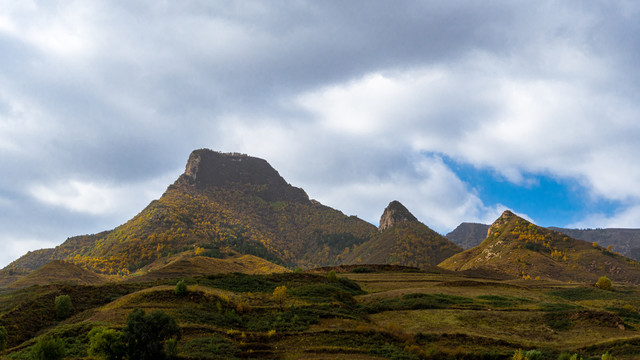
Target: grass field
(375,315)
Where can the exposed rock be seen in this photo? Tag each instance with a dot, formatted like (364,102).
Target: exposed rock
(206,168)
(468,235)
(393,214)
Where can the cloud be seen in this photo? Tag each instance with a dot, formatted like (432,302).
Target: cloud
(354,101)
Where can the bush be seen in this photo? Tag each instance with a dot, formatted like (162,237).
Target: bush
(106,343)
(147,333)
(607,356)
(181,288)
(604,283)
(48,349)
(332,277)
(4,337)
(534,355)
(63,306)
(518,355)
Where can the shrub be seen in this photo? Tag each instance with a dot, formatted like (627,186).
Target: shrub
(534,355)
(518,355)
(48,349)
(607,356)
(332,277)
(63,306)
(4,336)
(604,283)
(106,343)
(147,333)
(181,288)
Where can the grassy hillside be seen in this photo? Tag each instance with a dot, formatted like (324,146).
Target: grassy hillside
(364,315)
(519,248)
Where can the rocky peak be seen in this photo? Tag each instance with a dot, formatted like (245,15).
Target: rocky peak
(393,214)
(506,217)
(206,168)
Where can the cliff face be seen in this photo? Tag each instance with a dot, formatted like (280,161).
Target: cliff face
(206,168)
(395,213)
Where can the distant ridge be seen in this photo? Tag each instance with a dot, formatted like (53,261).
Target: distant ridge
(520,249)
(468,235)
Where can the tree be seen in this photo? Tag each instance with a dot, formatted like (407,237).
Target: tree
(4,338)
(518,355)
(181,288)
(48,349)
(604,283)
(332,277)
(280,295)
(106,343)
(147,333)
(63,306)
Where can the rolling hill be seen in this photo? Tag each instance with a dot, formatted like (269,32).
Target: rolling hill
(519,248)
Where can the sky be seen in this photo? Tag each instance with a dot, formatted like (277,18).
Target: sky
(458,109)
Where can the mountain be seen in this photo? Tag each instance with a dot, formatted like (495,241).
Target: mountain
(468,235)
(402,240)
(624,241)
(224,204)
(519,248)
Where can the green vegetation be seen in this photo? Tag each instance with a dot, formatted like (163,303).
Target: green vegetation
(181,288)
(63,306)
(107,344)
(146,334)
(405,315)
(48,349)
(604,283)
(4,337)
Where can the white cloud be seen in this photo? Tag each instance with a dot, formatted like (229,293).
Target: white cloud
(13,246)
(99,198)
(628,217)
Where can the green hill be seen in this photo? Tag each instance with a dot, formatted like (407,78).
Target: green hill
(519,248)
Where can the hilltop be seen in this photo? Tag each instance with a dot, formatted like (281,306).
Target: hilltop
(402,240)
(519,248)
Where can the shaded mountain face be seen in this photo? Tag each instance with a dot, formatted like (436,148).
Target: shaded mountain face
(468,235)
(402,240)
(518,248)
(223,205)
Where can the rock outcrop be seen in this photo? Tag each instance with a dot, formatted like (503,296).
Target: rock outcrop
(395,213)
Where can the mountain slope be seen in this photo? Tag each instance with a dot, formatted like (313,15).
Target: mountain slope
(223,203)
(521,249)
(402,240)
